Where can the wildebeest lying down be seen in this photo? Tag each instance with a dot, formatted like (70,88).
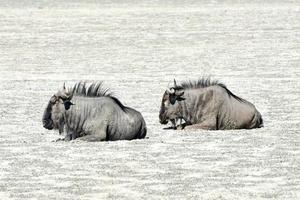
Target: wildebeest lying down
(206,104)
(92,114)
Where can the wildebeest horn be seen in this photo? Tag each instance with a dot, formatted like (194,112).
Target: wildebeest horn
(64,86)
(175,84)
(172,90)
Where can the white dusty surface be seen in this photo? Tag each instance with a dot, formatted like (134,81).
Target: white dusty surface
(137,48)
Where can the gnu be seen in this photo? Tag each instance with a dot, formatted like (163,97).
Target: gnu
(206,104)
(90,113)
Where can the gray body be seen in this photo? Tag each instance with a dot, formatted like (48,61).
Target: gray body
(93,116)
(208,105)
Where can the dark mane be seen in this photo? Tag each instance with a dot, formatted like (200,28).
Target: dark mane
(94,90)
(200,83)
(203,83)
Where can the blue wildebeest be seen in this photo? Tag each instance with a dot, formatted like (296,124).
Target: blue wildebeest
(91,113)
(206,104)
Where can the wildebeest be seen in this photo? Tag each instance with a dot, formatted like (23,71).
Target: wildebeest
(91,113)
(206,104)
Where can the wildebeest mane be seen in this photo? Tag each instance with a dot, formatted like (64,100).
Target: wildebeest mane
(203,83)
(94,90)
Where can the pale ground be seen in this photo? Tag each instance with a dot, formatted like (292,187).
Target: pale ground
(137,48)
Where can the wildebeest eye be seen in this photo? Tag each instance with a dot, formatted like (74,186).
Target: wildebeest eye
(68,104)
(175,97)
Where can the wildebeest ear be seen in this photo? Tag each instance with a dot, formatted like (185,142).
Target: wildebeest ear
(179,96)
(68,104)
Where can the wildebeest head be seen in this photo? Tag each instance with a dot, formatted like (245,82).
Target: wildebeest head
(170,107)
(53,117)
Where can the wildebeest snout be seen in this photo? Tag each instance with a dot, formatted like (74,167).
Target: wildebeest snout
(48,125)
(163,119)
(163,122)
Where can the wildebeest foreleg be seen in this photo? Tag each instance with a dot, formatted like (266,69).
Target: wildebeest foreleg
(68,137)
(173,121)
(181,125)
(70,134)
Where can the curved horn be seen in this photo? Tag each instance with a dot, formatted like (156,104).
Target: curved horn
(172,90)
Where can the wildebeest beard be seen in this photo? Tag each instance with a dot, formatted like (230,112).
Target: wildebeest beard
(173,110)
(53,115)
(47,121)
(162,115)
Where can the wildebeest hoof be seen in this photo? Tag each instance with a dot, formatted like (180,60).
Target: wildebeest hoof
(167,128)
(59,140)
(181,127)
